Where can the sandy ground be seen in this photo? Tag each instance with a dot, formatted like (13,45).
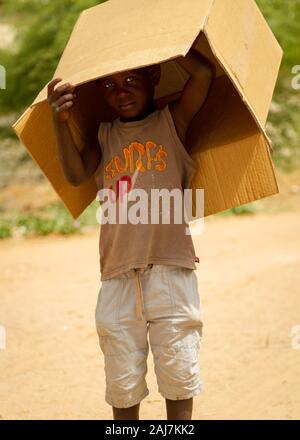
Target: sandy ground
(249,278)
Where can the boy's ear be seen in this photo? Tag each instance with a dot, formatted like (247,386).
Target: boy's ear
(154,73)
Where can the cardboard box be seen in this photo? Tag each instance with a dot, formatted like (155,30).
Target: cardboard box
(227,137)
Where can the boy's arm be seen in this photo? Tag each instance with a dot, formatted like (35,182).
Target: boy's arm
(91,155)
(77,166)
(202,72)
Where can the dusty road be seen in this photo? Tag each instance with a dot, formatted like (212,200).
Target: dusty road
(249,278)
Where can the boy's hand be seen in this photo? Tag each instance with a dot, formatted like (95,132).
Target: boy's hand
(60,99)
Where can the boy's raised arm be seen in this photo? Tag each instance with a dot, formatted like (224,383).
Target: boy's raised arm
(77,166)
(202,73)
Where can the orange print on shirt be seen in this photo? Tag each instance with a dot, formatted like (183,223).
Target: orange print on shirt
(137,156)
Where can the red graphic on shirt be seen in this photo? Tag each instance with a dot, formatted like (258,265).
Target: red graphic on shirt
(124,188)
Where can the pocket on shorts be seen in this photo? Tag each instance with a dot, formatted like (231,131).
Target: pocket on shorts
(107,307)
(184,289)
(197,297)
(186,300)
(98,304)
(98,299)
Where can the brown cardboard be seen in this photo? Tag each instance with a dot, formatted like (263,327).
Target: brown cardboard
(227,137)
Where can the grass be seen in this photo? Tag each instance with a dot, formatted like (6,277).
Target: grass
(51,219)
(283,122)
(7,132)
(246,209)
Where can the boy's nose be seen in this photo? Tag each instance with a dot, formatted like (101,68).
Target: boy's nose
(123,96)
(122,92)
(121,89)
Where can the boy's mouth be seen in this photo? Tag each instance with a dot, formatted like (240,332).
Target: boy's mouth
(127,106)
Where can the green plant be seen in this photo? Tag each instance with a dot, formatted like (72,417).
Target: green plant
(53,218)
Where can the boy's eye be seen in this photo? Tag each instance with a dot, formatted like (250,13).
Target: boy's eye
(128,77)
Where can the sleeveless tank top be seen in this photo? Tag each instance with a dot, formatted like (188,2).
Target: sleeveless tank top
(146,154)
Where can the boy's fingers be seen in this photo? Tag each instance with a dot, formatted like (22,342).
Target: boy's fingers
(54,94)
(64,106)
(64,87)
(52,84)
(63,99)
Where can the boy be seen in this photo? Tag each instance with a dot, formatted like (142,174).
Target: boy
(147,270)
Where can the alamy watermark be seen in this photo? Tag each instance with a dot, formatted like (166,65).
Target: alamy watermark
(296,79)
(159,205)
(2,77)
(2,338)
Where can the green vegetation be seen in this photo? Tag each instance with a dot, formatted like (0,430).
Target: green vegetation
(246,209)
(283,122)
(53,218)
(44,28)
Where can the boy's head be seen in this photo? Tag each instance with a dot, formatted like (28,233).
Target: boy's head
(135,87)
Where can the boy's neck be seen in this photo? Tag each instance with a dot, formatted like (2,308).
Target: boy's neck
(150,108)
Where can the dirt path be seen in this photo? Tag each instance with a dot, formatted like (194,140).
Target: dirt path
(249,278)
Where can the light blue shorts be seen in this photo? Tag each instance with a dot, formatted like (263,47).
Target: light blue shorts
(165,301)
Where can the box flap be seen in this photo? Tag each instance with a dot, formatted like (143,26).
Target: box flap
(247,49)
(103,43)
(234,161)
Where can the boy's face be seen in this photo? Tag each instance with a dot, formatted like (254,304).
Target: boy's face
(129,93)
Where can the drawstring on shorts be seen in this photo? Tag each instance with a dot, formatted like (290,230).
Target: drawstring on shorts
(140,308)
